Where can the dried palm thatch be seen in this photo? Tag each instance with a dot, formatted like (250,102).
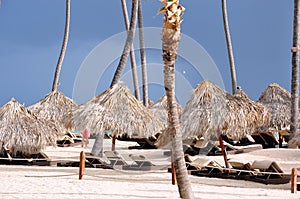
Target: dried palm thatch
(56,107)
(160,109)
(119,111)
(255,122)
(278,101)
(23,132)
(211,111)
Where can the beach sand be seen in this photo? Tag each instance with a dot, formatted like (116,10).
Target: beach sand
(62,182)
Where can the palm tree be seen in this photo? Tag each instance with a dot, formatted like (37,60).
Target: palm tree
(229,47)
(132,54)
(170,39)
(126,51)
(63,48)
(128,44)
(143,54)
(295,71)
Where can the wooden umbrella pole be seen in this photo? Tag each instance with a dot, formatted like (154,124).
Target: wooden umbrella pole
(81,164)
(294,181)
(113,144)
(173,171)
(223,151)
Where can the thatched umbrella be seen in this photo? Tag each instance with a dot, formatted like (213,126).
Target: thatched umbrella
(23,132)
(212,111)
(119,111)
(278,101)
(160,109)
(56,107)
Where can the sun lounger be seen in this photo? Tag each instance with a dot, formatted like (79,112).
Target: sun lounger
(139,163)
(114,158)
(267,172)
(39,159)
(242,149)
(241,165)
(202,166)
(97,162)
(267,139)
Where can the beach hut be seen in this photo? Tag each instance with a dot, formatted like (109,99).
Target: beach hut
(211,112)
(22,132)
(58,108)
(117,110)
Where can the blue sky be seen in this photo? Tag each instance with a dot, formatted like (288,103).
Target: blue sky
(31,33)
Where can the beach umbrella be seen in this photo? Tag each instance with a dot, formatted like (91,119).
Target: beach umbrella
(117,110)
(278,101)
(211,112)
(22,132)
(56,107)
(160,109)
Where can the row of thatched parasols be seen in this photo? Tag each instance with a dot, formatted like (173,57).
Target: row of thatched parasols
(210,111)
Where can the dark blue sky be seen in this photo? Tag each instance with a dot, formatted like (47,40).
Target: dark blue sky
(31,33)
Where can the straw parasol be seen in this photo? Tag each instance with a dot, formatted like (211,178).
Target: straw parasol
(119,111)
(56,107)
(278,101)
(211,110)
(161,110)
(23,132)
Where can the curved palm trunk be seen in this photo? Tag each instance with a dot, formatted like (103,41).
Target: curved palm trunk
(126,51)
(143,54)
(295,71)
(132,54)
(63,48)
(170,39)
(229,47)
(128,44)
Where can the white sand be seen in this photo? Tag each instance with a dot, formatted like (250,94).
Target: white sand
(63,182)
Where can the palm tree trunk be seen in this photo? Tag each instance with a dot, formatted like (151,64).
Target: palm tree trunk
(126,51)
(63,48)
(132,54)
(229,47)
(143,55)
(128,44)
(170,39)
(182,178)
(295,71)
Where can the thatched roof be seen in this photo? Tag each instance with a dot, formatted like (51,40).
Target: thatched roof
(23,132)
(278,101)
(212,110)
(55,107)
(160,108)
(119,111)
